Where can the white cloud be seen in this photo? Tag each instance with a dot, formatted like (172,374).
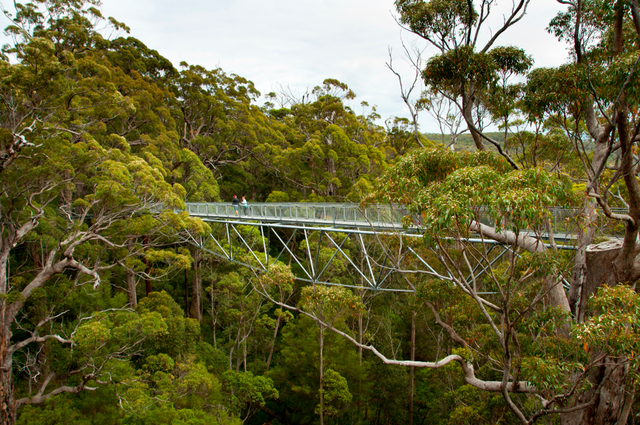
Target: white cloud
(299,43)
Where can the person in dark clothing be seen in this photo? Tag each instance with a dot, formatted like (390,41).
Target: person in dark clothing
(235,202)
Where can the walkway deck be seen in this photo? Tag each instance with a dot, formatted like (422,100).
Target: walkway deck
(352,216)
(377,217)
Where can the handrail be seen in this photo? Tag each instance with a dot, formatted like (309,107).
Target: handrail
(381,216)
(335,214)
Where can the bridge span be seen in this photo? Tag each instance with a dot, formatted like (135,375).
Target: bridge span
(375,217)
(324,242)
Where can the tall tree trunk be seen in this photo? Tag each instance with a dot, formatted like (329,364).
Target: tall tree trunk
(612,397)
(7,398)
(412,388)
(331,169)
(611,262)
(321,375)
(273,343)
(467,114)
(147,268)
(238,353)
(186,293)
(611,393)
(214,320)
(232,347)
(196,291)
(360,339)
(624,265)
(132,296)
(587,227)
(244,356)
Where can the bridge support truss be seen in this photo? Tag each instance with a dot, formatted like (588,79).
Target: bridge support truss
(372,259)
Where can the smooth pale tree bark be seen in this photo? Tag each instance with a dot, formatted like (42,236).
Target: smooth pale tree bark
(406,93)
(131,289)
(147,267)
(273,342)
(468,369)
(10,310)
(557,295)
(467,105)
(580,272)
(214,315)
(330,164)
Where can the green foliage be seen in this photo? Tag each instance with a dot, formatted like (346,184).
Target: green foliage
(56,411)
(551,90)
(181,333)
(248,392)
(279,277)
(103,141)
(336,393)
(550,376)
(449,190)
(296,373)
(437,19)
(277,196)
(477,407)
(104,334)
(330,303)
(615,329)
(458,67)
(328,147)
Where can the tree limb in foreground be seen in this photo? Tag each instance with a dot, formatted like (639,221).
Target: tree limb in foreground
(467,367)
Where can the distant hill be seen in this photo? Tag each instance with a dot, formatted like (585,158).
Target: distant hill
(465,141)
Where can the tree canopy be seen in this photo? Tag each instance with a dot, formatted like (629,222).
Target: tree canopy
(110,317)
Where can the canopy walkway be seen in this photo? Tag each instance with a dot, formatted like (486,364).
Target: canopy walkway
(377,217)
(327,241)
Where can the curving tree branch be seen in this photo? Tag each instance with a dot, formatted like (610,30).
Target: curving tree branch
(466,366)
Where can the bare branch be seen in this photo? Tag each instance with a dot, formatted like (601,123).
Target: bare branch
(35,338)
(467,367)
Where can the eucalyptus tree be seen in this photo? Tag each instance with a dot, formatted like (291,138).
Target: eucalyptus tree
(313,364)
(133,57)
(74,196)
(593,100)
(510,318)
(467,64)
(570,357)
(399,139)
(328,146)
(588,103)
(217,119)
(406,89)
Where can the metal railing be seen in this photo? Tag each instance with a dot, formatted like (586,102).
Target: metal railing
(335,214)
(564,220)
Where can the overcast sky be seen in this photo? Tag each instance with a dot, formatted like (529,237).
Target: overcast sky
(296,44)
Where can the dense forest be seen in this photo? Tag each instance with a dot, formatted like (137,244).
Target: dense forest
(109,317)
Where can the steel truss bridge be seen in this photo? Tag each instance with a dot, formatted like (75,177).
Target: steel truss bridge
(325,240)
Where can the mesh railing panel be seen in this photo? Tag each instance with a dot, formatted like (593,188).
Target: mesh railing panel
(564,221)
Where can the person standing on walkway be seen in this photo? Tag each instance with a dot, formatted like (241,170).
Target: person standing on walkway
(245,206)
(235,202)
